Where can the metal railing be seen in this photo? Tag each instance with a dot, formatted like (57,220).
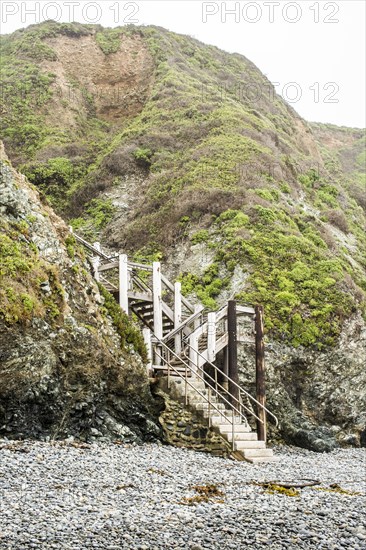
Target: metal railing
(233,383)
(230,419)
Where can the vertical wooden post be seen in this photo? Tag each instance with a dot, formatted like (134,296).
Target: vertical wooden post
(260,373)
(178,315)
(211,337)
(147,339)
(225,368)
(193,341)
(197,321)
(158,310)
(123,286)
(232,350)
(193,355)
(96,262)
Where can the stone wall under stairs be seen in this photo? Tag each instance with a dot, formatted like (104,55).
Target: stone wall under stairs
(188,425)
(184,427)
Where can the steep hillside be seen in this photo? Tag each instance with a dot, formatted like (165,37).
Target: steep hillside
(69,364)
(163,146)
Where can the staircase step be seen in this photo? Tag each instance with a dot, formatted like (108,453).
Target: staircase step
(262,459)
(244,446)
(226,428)
(239,435)
(202,398)
(217,420)
(197,397)
(195,383)
(141,305)
(203,405)
(163,370)
(248,453)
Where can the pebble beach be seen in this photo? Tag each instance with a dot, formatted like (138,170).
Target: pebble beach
(66,495)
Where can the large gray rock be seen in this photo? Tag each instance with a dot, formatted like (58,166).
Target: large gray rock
(318,396)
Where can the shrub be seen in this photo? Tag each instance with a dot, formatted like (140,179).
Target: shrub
(200,237)
(21,272)
(109,40)
(337,218)
(129,334)
(143,157)
(54,177)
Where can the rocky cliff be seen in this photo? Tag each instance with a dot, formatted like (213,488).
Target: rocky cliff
(64,368)
(319,396)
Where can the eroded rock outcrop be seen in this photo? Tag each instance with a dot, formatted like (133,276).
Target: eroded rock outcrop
(319,396)
(64,369)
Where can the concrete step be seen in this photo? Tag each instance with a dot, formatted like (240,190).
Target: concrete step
(203,406)
(195,395)
(202,396)
(239,436)
(217,419)
(180,385)
(253,453)
(197,385)
(244,446)
(262,459)
(226,428)
(174,376)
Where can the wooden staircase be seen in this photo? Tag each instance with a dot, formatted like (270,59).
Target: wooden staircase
(183,342)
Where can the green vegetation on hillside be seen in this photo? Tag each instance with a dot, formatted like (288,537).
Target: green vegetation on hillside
(97,214)
(223,160)
(109,40)
(22,273)
(128,333)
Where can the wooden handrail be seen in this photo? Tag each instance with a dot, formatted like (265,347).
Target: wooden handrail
(168,284)
(176,330)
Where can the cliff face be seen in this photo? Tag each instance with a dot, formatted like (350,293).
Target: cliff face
(319,397)
(64,369)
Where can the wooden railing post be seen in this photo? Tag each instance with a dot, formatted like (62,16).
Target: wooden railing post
(197,321)
(123,282)
(157,299)
(225,382)
(211,337)
(96,262)
(193,355)
(260,373)
(232,350)
(147,339)
(178,315)
(193,342)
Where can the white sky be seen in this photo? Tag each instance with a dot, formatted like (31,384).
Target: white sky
(322,50)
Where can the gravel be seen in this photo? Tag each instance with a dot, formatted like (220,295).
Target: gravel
(62,496)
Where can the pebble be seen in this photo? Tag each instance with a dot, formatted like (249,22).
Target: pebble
(135,498)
